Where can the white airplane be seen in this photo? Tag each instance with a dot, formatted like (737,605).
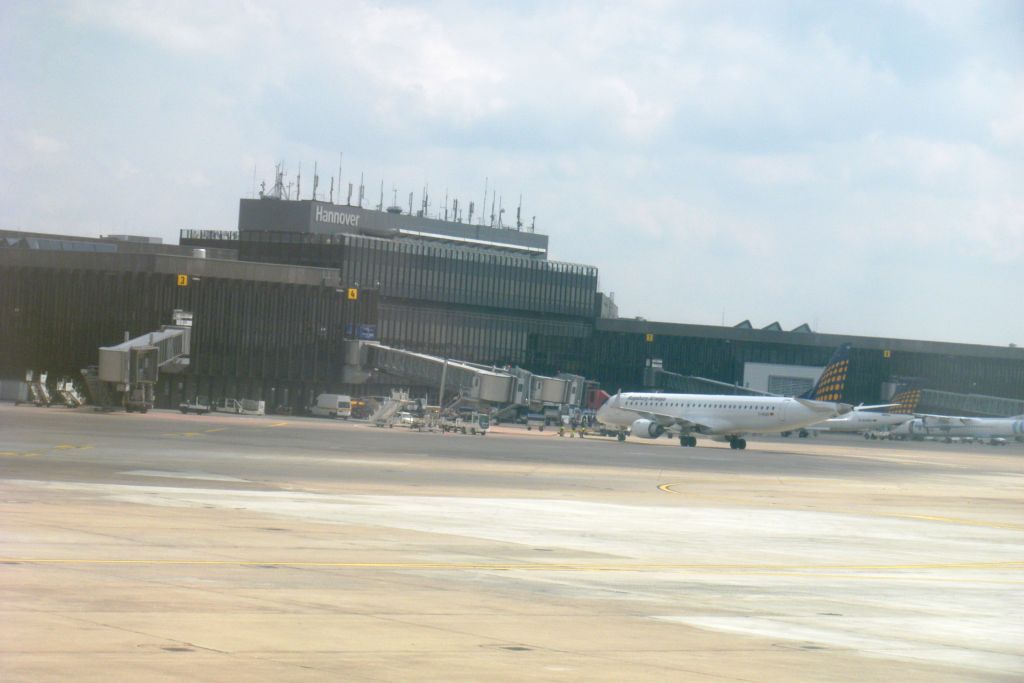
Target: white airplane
(993,429)
(728,418)
(867,418)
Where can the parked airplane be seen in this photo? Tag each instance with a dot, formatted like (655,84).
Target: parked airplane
(728,418)
(869,419)
(993,429)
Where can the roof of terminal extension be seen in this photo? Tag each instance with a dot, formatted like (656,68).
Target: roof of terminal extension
(171,264)
(111,244)
(804,338)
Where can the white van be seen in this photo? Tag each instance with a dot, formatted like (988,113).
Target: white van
(332,405)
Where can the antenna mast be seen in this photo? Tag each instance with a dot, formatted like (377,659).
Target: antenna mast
(485,197)
(340,156)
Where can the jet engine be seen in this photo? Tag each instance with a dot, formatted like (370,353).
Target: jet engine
(648,429)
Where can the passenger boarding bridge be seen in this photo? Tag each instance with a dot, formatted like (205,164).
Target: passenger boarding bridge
(134,365)
(473,383)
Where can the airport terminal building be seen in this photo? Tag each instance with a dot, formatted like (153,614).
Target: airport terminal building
(275,301)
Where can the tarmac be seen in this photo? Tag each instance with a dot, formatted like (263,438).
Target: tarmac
(215,547)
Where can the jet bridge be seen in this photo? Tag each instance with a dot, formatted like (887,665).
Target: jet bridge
(134,365)
(479,383)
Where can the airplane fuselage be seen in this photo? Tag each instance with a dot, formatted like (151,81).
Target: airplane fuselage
(862,421)
(975,427)
(728,416)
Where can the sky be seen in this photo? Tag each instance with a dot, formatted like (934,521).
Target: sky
(855,166)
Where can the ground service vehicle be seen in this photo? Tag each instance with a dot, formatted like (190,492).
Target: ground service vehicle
(332,406)
(199,405)
(467,423)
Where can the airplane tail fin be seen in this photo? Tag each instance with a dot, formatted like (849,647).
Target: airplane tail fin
(832,382)
(905,400)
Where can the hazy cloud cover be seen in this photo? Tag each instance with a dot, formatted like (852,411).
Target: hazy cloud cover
(856,166)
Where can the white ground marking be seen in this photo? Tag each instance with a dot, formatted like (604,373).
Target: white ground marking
(840,580)
(205,476)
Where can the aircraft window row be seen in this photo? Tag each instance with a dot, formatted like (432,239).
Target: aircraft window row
(681,404)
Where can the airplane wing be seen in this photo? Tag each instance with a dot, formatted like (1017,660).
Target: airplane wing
(945,420)
(744,391)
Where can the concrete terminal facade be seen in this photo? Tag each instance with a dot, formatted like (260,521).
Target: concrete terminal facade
(272,310)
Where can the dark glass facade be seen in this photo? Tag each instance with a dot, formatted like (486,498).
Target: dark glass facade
(267,339)
(462,302)
(421,271)
(276,332)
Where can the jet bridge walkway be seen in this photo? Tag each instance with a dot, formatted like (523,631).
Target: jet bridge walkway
(134,365)
(475,383)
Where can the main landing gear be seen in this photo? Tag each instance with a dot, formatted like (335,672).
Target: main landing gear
(621,436)
(687,441)
(738,443)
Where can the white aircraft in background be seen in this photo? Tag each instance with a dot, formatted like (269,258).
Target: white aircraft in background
(995,430)
(868,419)
(728,418)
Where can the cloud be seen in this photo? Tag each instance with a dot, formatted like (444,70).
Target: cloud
(40,143)
(679,147)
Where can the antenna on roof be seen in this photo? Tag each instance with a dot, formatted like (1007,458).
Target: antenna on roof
(298,183)
(519,213)
(493,200)
(316,181)
(471,207)
(485,196)
(380,204)
(340,156)
(446,203)
(500,211)
(332,189)
(348,201)
(362,189)
(455,210)
(410,203)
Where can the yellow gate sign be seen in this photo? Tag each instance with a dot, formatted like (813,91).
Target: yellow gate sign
(182,280)
(649,337)
(353,293)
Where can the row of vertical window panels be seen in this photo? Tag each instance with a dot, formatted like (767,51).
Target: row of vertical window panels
(253,329)
(488,338)
(429,272)
(617,360)
(54,319)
